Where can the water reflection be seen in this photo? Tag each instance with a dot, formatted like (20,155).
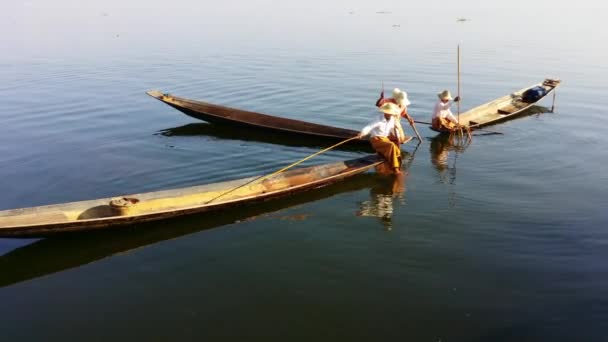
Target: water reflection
(382,196)
(244,134)
(538,110)
(63,252)
(442,146)
(388,189)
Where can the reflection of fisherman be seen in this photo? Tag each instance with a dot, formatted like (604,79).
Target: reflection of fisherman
(382,195)
(440,153)
(440,150)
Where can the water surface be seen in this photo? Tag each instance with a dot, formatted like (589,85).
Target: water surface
(502,240)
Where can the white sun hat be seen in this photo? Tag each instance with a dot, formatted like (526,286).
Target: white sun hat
(405,101)
(401,97)
(396,93)
(445,95)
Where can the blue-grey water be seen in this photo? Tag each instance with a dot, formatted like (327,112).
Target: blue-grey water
(504,239)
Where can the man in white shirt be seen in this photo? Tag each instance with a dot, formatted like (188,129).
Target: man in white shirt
(443,119)
(380,131)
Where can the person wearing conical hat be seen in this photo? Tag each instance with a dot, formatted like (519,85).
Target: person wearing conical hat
(442,115)
(380,130)
(400,99)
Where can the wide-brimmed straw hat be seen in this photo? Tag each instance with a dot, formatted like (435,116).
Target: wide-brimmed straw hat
(390,108)
(445,95)
(401,96)
(396,93)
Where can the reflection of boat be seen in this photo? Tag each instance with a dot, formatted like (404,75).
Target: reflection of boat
(49,256)
(239,133)
(504,108)
(152,206)
(236,117)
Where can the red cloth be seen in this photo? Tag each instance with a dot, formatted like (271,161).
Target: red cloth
(382,101)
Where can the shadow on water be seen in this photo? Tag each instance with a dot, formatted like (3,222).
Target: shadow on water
(240,133)
(64,252)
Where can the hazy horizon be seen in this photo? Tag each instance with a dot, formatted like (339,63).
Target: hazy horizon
(62,28)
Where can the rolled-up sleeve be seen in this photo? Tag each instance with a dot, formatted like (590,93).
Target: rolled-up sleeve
(365,131)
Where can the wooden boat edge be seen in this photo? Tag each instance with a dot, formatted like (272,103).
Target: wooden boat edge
(500,99)
(157,94)
(46,229)
(515,113)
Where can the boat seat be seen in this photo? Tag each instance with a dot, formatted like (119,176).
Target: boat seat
(502,111)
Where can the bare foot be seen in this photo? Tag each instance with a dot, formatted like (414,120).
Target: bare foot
(397,171)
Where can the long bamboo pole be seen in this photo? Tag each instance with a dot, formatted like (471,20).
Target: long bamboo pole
(458,103)
(261,178)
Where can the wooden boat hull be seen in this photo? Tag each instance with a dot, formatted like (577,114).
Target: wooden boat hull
(99,214)
(502,109)
(222,115)
(47,256)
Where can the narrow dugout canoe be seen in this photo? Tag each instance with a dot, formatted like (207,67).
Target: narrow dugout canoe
(504,108)
(114,212)
(241,118)
(48,256)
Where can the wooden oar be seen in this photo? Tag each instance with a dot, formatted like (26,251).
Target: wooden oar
(415,130)
(473,128)
(283,169)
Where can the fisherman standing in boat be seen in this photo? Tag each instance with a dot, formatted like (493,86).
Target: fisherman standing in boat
(381,129)
(400,99)
(443,119)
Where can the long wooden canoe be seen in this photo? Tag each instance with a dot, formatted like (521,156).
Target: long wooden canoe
(502,109)
(236,117)
(124,210)
(47,256)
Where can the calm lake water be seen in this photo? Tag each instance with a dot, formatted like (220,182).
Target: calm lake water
(506,239)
